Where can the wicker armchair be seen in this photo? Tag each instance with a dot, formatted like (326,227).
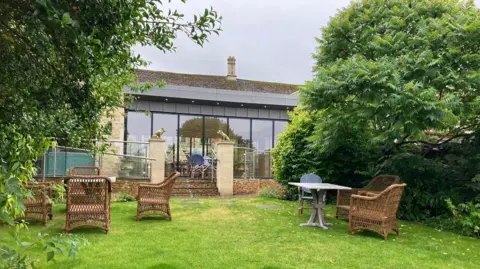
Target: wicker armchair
(376,213)
(88,202)
(378,184)
(153,199)
(84,170)
(39,205)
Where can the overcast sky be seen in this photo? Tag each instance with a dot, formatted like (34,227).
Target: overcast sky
(273,40)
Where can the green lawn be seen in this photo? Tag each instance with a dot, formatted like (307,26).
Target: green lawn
(238,233)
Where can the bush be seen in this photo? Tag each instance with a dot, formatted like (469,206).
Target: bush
(302,148)
(464,219)
(272,193)
(125,197)
(448,172)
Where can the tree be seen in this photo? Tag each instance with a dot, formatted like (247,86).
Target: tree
(402,68)
(64,66)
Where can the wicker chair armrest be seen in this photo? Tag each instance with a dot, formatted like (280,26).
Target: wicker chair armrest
(370,197)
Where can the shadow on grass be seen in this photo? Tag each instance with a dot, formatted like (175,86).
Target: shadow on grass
(162,265)
(374,235)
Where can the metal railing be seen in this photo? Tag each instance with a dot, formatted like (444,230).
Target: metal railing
(124,159)
(251,164)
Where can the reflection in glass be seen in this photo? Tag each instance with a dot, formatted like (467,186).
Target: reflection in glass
(212,125)
(240,133)
(191,133)
(169,123)
(279,127)
(262,137)
(138,129)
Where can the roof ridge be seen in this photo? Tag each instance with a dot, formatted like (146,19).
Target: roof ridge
(216,76)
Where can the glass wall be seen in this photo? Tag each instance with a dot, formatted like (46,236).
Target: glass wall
(212,126)
(262,142)
(279,127)
(239,132)
(189,134)
(139,128)
(170,123)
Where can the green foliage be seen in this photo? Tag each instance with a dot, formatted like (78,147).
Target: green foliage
(466,218)
(432,179)
(125,197)
(395,91)
(63,245)
(300,151)
(277,193)
(400,68)
(59,193)
(64,67)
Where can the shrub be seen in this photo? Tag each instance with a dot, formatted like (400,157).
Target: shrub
(464,219)
(125,197)
(272,193)
(303,148)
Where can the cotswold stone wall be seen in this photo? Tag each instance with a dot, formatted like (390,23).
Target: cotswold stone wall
(252,186)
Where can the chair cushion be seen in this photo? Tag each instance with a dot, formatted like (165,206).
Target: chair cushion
(368,214)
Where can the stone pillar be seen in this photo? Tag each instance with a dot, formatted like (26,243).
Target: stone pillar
(225,168)
(156,150)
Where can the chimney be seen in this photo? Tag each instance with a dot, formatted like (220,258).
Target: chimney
(231,75)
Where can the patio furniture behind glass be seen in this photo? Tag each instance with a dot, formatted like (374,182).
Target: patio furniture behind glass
(377,185)
(376,212)
(154,199)
(304,193)
(198,164)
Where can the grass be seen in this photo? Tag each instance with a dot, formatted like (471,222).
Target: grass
(239,233)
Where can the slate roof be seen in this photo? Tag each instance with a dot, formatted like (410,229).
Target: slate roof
(215,82)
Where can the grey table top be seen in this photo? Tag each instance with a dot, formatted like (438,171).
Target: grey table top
(319,186)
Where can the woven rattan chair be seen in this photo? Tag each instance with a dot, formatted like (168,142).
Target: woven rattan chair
(88,202)
(84,170)
(153,199)
(39,205)
(376,212)
(378,184)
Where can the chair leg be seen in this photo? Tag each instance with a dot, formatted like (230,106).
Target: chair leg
(395,229)
(300,207)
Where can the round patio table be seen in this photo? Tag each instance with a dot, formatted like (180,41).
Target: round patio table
(318,204)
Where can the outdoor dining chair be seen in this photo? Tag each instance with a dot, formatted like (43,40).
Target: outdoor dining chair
(377,185)
(198,164)
(84,170)
(376,212)
(88,202)
(154,199)
(306,194)
(37,203)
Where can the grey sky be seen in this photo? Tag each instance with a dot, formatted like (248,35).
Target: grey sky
(273,40)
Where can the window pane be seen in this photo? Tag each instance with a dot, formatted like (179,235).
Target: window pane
(138,126)
(212,125)
(262,134)
(239,132)
(191,132)
(279,126)
(169,123)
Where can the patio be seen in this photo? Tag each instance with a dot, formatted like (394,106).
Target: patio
(251,233)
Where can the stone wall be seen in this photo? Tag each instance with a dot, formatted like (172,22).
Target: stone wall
(110,163)
(252,186)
